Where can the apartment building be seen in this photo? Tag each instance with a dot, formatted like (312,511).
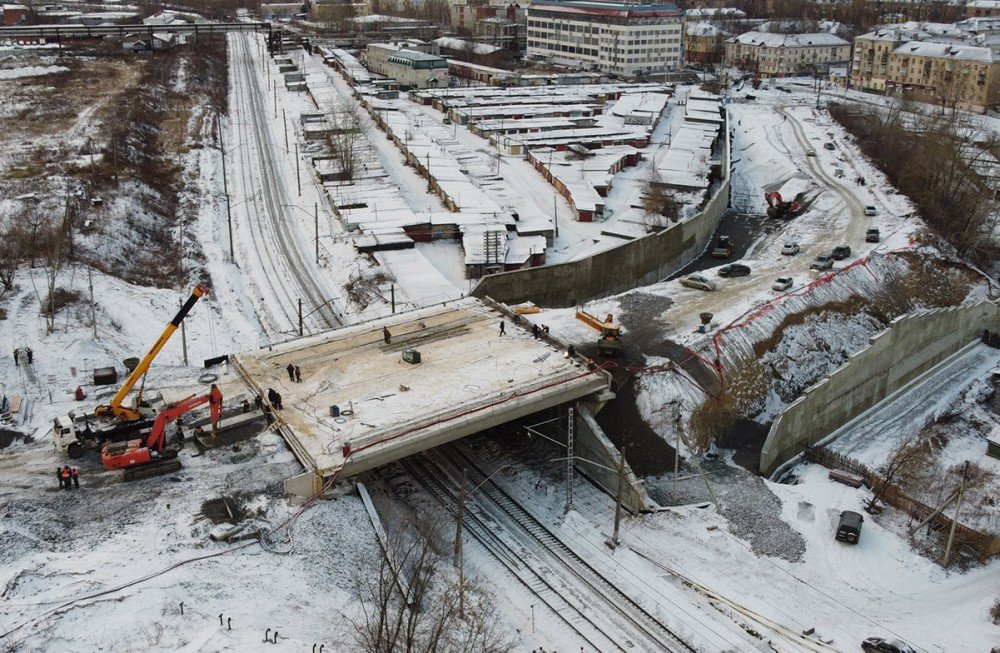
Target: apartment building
(620,39)
(786,54)
(704,43)
(408,67)
(982,8)
(951,64)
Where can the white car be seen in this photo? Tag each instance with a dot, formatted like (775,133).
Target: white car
(870,211)
(698,282)
(790,249)
(782,283)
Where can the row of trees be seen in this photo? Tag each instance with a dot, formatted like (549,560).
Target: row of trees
(936,161)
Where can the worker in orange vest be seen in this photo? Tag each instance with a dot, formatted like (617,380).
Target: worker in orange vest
(67,478)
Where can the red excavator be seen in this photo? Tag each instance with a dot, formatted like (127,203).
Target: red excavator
(148,456)
(776,208)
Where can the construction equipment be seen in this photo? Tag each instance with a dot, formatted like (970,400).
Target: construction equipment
(610,341)
(148,456)
(115,408)
(776,208)
(723,248)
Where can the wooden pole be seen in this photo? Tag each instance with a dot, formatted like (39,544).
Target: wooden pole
(954,522)
(618,498)
(458,547)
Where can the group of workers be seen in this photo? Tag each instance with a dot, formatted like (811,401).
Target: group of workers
(28,354)
(68,478)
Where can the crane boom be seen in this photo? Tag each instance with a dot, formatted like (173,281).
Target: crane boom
(115,408)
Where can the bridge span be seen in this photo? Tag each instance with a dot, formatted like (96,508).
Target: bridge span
(59,32)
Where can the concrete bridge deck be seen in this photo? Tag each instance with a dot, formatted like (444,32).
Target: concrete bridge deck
(470,378)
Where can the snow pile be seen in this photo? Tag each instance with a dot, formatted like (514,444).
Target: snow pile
(31,71)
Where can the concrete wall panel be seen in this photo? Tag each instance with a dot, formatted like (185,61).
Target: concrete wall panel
(912,345)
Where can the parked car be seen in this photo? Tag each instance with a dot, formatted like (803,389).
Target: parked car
(446,121)
(879,645)
(838,173)
(870,210)
(810,152)
(849,528)
(841,252)
(872,235)
(734,270)
(822,262)
(698,282)
(782,283)
(790,248)
(829,146)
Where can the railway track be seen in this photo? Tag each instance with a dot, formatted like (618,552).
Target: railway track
(270,228)
(635,627)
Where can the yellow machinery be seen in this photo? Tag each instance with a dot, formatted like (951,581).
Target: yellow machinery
(115,408)
(610,342)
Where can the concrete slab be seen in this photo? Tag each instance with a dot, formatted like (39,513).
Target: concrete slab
(470,378)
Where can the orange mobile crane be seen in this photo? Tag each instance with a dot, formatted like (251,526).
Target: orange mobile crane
(610,341)
(145,457)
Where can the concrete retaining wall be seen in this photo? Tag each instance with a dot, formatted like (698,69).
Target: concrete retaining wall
(590,444)
(636,263)
(912,345)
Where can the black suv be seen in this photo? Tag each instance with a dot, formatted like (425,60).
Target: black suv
(872,235)
(840,253)
(879,645)
(734,270)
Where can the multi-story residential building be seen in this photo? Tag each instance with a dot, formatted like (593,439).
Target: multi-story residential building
(951,64)
(620,39)
(408,67)
(982,8)
(704,43)
(786,54)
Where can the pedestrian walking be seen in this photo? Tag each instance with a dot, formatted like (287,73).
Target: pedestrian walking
(76,478)
(503,327)
(291,372)
(31,355)
(17,356)
(298,374)
(277,396)
(67,478)
(59,477)
(386,335)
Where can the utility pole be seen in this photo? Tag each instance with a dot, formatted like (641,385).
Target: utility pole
(184,340)
(954,522)
(284,121)
(677,450)
(569,459)
(114,152)
(300,316)
(555,215)
(93,311)
(316,223)
(618,499)
(225,189)
(298,179)
(275,99)
(392,297)
(458,547)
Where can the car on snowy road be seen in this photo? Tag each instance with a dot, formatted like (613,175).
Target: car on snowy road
(879,645)
(782,283)
(872,235)
(829,146)
(698,282)
(734,270)
(822,262)
(870,211)
(841,252)
(790,249)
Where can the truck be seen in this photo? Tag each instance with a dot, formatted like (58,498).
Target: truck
(723,247)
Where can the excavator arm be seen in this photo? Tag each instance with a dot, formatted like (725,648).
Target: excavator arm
(115,408)
(157,436)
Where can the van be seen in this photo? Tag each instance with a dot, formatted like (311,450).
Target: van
(849,529)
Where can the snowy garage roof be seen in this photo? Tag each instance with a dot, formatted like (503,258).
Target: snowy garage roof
(769,40)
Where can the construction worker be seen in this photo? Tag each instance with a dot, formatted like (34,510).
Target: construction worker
(76,478)
(258,401)
(291,372)
(298,374)
(17,355)
(59,477)
(503,327)
(386,335)
(67,478)
(246,405)
(535,330)
(277,396)
(31,355)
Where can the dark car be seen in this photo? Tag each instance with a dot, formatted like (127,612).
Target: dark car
(829,146)
(849,528)
(734,270)
(879,645)
(872,235)
(840,253)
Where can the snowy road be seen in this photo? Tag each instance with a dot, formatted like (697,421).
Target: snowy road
(875,434)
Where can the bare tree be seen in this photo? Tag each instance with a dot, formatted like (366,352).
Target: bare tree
(659,202)
(13,251)
(348,126)
(906,454)
(410,607)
